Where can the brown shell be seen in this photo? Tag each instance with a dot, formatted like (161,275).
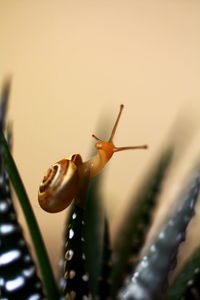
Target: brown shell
(59,186)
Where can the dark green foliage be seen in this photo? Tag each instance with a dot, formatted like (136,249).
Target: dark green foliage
(150,276)
(91,230)
(17,270)
(4,102)
(106,265)
(14,177)
(187,282)
(93,233)
(96,262)
(18,278)
(133,231)
(74,267)
(48,278)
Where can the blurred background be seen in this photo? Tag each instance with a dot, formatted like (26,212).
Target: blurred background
(73,63)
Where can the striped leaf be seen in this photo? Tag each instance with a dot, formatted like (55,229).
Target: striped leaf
(18,277)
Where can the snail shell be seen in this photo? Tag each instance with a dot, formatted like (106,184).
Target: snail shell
(60,184)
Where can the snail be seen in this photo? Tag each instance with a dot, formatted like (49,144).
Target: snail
(62,181)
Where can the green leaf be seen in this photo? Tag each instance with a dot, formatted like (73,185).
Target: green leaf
(49,281)
(18,274)
(4,97)
(89,199)
(76,284)
(151,273)
(131,237)
(186,283)
(86,241)
(93,233)
(105,274)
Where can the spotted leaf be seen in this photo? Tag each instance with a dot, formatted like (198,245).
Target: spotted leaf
(18,277)
(132,233)
(75,275)
(150,275)
(186,284)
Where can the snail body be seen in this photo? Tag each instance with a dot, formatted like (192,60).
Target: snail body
(62,181)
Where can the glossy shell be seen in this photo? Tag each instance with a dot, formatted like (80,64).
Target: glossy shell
(59,186)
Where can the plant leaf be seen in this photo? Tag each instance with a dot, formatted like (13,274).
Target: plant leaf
(4,102)
(89,200)
(11,169)
(76,277)
(150,276)
(93,233)
(131,237)
(186,283)
(104,279)
(75,282)
(18,275)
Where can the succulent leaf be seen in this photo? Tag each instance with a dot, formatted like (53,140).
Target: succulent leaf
(18,276)
(151,274)
(89,229)
(104,279)
(93,233)
(131,237)
(186,284)
(76,277)
(4,97)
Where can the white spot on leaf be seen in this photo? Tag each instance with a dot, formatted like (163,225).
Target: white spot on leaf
(14,284)
(72,274)
(153,248)
(7,228)
(74,216)
(161,235)
(9,257)
(34,297)
(29,272)
(71,233)
(85,277)
(190,282)
(69,254)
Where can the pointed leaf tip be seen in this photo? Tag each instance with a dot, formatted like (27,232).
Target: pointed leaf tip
(151,274)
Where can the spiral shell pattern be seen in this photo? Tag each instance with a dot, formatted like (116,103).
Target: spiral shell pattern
(59,186)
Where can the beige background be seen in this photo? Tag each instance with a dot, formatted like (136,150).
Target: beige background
(73,62)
